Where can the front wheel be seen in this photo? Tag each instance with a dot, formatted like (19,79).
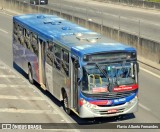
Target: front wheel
(30,75)
(65,104)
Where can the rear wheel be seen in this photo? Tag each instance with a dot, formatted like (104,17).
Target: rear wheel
(65,104)
(30,75)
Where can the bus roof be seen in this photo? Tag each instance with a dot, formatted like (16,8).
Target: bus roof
(77,39)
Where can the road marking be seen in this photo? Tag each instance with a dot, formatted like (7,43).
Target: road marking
(21,97)
(8,76)
(144,107)
(2,67)
(24,111)
(54,106)
(4,31)
(6,14)
(14,86)
(150,72)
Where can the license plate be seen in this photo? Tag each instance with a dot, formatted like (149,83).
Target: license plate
(112,111)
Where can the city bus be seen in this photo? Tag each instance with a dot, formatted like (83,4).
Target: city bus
(92,75)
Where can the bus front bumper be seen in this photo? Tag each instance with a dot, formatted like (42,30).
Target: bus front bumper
(128,107)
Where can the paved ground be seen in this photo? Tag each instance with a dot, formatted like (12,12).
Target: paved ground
(21,102)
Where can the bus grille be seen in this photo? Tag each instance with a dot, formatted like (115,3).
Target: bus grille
(110,95)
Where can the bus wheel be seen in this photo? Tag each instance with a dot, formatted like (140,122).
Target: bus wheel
(30,75)
(65,104)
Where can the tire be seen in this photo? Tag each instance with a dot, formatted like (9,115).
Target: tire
(65,104)
(30,75)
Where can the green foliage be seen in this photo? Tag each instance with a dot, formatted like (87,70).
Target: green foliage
(153,0)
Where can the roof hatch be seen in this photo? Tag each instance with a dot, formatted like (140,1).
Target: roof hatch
(88,37)
(41,17)
(52,22)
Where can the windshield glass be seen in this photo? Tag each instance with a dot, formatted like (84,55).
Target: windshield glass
(105,77)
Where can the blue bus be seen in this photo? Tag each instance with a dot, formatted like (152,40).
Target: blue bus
(93,75)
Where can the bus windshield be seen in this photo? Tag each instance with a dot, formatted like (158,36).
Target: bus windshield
(105,77)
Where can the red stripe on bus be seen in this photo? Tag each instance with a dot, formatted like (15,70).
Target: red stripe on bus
(125,88)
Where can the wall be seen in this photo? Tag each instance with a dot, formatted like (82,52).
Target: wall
(137,3)
(148,49)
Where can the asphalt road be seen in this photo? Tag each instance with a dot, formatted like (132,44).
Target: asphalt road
(149,105)
(138,21)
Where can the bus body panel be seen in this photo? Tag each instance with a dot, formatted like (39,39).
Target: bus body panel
(49,77)
(22,57)
(128,107)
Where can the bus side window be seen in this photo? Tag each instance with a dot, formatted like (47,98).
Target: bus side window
(27,38)
(65,62)
(49,53)
(57,58)
(20,35)
(15,32)
(34,43)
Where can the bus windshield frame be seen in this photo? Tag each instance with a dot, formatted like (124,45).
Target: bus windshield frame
(104,77)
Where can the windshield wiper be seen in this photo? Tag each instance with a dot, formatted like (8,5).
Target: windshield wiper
(103,72)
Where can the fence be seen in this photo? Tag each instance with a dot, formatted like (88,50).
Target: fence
(136,3)
(129,31)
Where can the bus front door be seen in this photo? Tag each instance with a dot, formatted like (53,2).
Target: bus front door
(41,61)
(75,85)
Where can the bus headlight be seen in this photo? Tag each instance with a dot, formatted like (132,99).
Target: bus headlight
(133,101)
(89,105)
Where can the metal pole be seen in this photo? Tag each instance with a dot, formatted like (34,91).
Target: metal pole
(119,23)
(72,13)
(139,28)
(60,8)
(139,34)
(86,23)
(86,14)
(119,27)
(101,21)
(1,8)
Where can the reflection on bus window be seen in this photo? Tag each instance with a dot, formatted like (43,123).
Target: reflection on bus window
(27,38)
(34,43)
(107,76)
(57,60)
(15,32)
(65,62)
(49,53)
(20,35)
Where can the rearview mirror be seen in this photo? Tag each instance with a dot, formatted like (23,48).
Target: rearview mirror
(77,64)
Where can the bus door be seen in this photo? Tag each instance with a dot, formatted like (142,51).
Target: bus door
(49,66)
(41,61)
(75,92)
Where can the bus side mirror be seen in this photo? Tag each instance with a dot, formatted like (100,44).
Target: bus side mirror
(77,64)
(79,76)
(137,67)
(79,73)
